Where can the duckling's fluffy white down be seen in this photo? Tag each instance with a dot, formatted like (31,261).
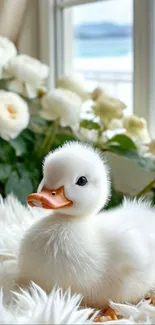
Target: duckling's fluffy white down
(102,256)
(35,306)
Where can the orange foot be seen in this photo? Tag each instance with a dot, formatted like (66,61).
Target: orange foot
(101,319)
(106,316)
(110,313)
(152,301)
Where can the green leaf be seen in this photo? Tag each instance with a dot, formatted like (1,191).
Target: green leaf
(28,135)
(38,125)
(7,154)
(23,143)
(21,169)
(34,170)
(146,163)
(36,119)
(19,186)
(3,84)
(62,138)
(123,141)
(19,145)
(115,200)
(89,124)
(5,170)
(131,154)
(35,175)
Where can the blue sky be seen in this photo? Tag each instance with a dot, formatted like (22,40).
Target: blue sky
(119,11)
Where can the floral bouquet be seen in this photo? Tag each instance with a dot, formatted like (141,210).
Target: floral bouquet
(35,120)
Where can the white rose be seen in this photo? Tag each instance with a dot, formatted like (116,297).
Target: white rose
(137,128)
(115,124)
(96,93)
(28,73)
(63,105)
(151,146)
(14,115)
(109,108)
(25,90)
(88,135)
(148,150)
(16,86)
(7,52)
(74,84)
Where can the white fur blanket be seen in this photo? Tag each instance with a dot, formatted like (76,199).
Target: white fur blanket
(33,306)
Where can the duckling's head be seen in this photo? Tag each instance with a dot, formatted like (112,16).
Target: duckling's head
(75,181)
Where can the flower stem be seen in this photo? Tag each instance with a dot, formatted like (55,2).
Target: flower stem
(99,135)
(46,145)
(52,136)
(146,189)
(100,131)
(2,84)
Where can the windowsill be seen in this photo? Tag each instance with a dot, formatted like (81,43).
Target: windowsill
(127,176)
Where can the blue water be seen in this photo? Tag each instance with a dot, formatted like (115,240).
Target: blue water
(101,48)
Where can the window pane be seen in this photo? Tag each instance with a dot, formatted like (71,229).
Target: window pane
(103,46)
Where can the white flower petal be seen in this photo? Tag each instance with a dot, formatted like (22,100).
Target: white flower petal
(136,128)
(142,149)
(151,146)
(88,135)
(149,155)
(30,91)
(22,88)
(28,70)
(148,150)
(115,124)
(109,108)
(7,52)
(74,84)
(96,93)
(62,104)
(16,86)
(47,115)
(14,115)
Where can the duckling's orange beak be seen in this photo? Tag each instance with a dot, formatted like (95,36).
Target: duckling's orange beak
(49,199)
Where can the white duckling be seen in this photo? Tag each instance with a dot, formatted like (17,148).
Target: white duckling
(102,256)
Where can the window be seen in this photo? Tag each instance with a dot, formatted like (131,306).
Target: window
(102,46)
(58,49)
(123,65)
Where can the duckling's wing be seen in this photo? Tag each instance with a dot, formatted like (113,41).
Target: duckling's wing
(129,232)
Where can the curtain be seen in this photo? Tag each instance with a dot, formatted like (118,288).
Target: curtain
(12,13)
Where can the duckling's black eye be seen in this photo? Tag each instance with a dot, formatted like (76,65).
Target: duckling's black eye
(82,181)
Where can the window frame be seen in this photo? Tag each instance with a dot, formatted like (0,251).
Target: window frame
(144,67)
(56,27)
(47,27)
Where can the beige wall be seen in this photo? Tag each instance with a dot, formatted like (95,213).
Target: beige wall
(29,37)
(19,23)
